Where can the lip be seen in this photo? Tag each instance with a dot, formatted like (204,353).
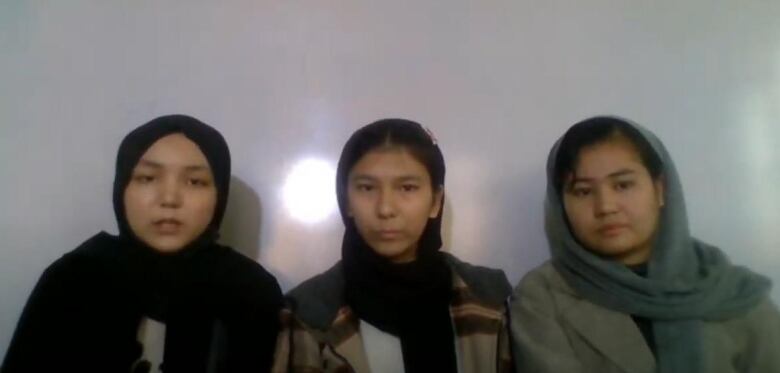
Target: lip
(388,234)
(167,225)
(611,229)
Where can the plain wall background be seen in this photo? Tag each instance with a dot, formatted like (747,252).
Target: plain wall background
(288,81)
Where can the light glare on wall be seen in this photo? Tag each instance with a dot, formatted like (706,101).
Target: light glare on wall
(309,190)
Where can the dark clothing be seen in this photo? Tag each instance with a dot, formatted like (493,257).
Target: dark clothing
(220,310)
(85,311)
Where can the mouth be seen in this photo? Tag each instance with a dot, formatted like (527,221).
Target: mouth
(610,230)
(388,234)
(167,226)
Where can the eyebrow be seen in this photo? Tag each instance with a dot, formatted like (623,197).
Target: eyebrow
(158,165)
(615,174)
(409,178)
(148,163)
(402,178)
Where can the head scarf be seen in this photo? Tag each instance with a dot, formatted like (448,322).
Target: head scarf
(687,281)
(409,300)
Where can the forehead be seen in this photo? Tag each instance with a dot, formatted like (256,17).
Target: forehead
(392,162)
(606,157)
(175,150)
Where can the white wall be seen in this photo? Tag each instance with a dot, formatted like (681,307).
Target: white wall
(497,81)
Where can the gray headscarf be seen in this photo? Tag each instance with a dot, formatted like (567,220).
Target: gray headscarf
(688,281)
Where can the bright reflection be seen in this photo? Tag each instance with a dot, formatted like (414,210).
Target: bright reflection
(309,191)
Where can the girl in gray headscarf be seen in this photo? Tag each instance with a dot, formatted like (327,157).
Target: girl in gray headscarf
(628,289)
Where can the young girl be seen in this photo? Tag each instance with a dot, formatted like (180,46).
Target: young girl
(394,302)
(628,289)
(162,294)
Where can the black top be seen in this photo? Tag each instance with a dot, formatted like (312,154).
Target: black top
(220,309)
(85,310)
(407,300)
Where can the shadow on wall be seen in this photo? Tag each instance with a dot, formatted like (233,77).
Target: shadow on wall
(241,224)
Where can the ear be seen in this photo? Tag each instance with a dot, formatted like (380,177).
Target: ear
(438,197)
(660,190)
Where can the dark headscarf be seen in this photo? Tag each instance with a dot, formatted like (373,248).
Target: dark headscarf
(168,273)
(687,280)
(203,282)
(409,300)
(136,143)
(175,288)
(220,309)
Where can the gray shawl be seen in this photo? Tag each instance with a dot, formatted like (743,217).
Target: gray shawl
(688,280)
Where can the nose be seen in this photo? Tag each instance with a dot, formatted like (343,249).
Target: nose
(605,202)
(170,194)
(386,204)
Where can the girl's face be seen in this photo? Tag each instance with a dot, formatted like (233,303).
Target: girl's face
(391,199)
(612,203)
(171,197)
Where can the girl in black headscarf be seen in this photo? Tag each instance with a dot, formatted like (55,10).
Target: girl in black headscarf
(162,295)
(395,302)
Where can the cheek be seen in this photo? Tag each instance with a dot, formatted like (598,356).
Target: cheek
(138,207)
(136,201)
(418,215)
(360,208)
(649,215)
(204,205)
(362,217)
(579,215)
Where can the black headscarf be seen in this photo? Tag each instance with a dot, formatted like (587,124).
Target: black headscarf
(175,288)
(220,309)
(409,300)
(137,142)
(203,282)
(168,274)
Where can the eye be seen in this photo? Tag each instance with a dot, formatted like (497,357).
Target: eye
(364,187)
(409,187)
(580,191)
(624,185)
(143,179)
(198,182)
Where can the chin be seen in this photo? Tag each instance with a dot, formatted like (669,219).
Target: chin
(609,248)
(166,247)
(390,253)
